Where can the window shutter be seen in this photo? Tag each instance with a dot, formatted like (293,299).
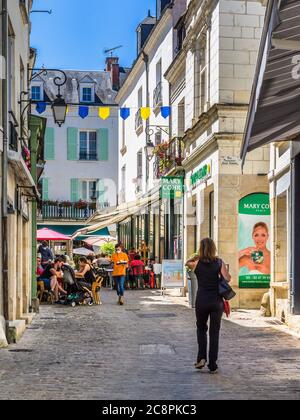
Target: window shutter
(72,143)
(74,190)
(103,144)
(49,144)
(100,192)
(45,192)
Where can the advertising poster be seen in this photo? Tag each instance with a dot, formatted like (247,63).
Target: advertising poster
(172,274)
(254,242)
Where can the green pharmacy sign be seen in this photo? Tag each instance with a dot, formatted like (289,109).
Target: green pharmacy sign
(254,242)
(201,175)
(172,187)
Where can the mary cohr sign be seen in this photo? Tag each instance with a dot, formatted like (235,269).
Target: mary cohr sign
(172,187)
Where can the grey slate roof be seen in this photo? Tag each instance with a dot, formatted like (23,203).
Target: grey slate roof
(105,95)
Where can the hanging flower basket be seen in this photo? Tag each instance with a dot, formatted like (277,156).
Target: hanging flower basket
(82,205)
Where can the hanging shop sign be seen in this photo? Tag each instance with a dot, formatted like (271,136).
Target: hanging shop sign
(172,187)
(172,274)
(254,242)
(201,175)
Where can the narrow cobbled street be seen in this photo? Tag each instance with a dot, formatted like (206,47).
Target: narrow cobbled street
(144,350)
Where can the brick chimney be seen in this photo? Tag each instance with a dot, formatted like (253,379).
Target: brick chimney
(112,66)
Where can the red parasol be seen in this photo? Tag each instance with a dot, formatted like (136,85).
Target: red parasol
(50,235)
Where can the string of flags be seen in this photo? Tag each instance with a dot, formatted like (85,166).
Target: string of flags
(105,112)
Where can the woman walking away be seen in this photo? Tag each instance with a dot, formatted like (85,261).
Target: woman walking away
(209,304)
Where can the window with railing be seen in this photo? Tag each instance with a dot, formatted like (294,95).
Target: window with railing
(81,210)
(168,156)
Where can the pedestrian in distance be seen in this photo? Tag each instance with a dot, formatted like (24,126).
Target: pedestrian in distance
(209,304)
(120,260)
(138,270)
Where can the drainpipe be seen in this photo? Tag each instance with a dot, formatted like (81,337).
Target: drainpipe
(4,19)
(146,61)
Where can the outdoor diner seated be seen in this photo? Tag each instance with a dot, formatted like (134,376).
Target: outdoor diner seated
(50,277)
(86,272)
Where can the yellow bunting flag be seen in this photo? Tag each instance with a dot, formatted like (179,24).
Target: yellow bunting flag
(145,113)
(67,111)
(104,113)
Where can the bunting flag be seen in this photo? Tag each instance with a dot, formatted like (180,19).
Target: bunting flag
(165,111)
(124,113)
(104,112)
(83,111)
(41,107)
(145,113)
(67,111)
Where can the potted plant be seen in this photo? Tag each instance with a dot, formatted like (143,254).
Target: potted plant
(81,205)
(65,204)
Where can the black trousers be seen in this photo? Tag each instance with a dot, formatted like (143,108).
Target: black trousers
(212,311)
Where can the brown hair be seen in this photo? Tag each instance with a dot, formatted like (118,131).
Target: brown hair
(208,251)
(260,225)
(83,260)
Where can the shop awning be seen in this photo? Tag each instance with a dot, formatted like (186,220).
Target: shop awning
(103,220)
(69,230)
(274,112)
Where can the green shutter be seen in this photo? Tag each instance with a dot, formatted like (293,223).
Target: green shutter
(103,144)
(100,191)
(72,143)
(45,192)
(49,144)
(74,190)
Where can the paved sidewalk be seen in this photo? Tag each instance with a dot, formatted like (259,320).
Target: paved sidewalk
(144,350)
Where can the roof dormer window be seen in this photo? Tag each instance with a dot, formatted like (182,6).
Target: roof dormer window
(86,94)
(37,93)
(87,90)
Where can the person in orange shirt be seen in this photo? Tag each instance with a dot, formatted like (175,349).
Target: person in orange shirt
(120,260)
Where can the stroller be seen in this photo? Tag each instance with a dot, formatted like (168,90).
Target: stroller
(78,293)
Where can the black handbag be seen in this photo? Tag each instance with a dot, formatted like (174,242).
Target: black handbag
(225,290)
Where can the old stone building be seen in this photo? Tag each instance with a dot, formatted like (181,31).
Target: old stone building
(211,80)
(18,184)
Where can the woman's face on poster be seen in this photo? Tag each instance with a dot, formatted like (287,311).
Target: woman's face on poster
(260,237)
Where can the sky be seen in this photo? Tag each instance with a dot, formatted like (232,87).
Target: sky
(77,32)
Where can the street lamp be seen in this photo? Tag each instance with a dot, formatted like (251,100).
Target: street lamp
(59,106)
(59,109)
(150,150)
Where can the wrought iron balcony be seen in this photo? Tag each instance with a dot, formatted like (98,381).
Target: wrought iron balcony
(138,122)
(157,95)
(54,210)
(169,156)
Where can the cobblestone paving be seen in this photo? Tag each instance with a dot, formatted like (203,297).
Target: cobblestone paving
(144,350)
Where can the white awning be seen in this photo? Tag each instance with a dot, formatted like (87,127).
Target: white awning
(102,220)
